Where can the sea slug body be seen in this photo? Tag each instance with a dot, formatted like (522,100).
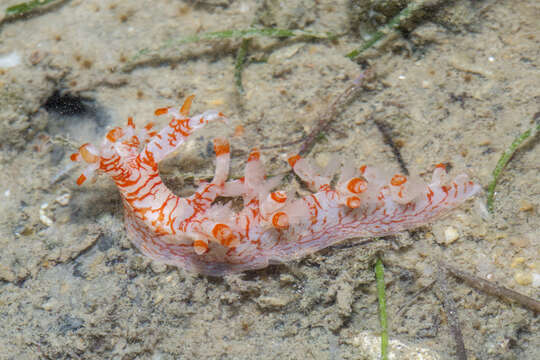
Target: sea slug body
(202,236)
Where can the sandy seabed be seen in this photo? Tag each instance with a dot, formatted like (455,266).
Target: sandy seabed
(457,89)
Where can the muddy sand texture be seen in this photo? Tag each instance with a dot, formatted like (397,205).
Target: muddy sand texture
(457,88)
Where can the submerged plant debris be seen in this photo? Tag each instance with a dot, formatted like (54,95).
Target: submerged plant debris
(455,83)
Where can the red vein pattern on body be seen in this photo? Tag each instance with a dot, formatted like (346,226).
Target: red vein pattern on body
(214,239)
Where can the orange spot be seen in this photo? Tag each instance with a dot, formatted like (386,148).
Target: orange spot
(87,155)
(161,111)
(223,234)
(353,202)
(134,141)
(280,220)
(81,179)
(221,146)
(441,165)
(363,169)
(293,159)
(149,125)
(75,157)
(115,134)
(184,110)
(130,122)
(239,131)
(279,196)
(254,155)
(430,194)
(183,132)
(357,185)
(325,187)
(398,180)
(200,247)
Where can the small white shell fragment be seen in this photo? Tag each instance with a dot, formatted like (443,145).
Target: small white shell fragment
(536,280)
(465,63)
(10,60)
(445,235)
(63,199)
(286,279)
(370,347)
(50,305)
(266,302)
(47,221)
(158,268)
(288,52)
(450,234)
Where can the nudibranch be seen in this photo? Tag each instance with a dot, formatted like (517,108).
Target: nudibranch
(213,238)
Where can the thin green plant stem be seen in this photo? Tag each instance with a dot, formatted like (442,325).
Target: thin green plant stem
(235,34)
(239,64)
(505,158)
(381,294)
(387,29)
(25,7)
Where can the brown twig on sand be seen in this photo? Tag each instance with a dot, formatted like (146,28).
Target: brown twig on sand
(332,111)
(414,297)
(493,289)
(449,307)
(386,133)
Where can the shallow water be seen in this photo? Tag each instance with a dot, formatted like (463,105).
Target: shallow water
(457,89)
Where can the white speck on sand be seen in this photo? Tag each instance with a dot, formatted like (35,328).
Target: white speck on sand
(10,60)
